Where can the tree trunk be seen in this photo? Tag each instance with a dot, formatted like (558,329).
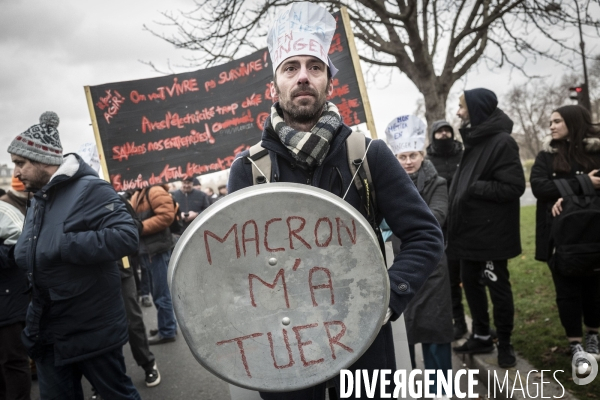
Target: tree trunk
(435,102)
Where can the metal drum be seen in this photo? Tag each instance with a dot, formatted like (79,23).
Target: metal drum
(277,287)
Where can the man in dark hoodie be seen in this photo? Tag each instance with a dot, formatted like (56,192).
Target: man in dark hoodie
(483,225)
(76,227)
(445,153)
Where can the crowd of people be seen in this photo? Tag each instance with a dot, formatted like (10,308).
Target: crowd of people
(78,259)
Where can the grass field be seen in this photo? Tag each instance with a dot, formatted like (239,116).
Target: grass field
(538,335)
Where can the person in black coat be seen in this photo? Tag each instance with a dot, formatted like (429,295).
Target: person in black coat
(75,229)
(445,152)
(483,223)
(572,149)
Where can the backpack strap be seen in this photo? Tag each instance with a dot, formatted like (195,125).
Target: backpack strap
(586,185)
(361,175)
(355,147)
(261,164)
(564,188)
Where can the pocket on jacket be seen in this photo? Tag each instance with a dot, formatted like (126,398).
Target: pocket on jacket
(49,244)
(71,289)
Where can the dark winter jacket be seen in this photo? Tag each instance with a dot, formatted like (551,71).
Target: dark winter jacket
(14,296)
(444,154)
(397,199)
(75,229)
(546,191)
(428,316)
(483,221)
(196,201)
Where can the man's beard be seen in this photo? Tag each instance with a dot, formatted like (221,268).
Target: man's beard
(38,181)
(303,113)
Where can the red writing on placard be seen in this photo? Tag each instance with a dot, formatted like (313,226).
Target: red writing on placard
(338,91)
(345,108)
(246,118)
(280,274)
(128,149)
(111,103)
(287,347)
(300,343)
(260,120)
(336,44)
(175,173)
(175,142)
(240,343)
(241,71)
(176,121)
(164,92)
(251,101)
(178,142)
(268,91)
(293,230)
(328,285)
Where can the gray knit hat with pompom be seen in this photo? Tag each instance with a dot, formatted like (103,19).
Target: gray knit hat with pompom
(41,142)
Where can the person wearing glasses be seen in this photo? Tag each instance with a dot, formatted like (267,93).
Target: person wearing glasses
(428,317)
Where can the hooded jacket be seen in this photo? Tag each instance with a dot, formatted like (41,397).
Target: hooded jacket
(483,221)
(445,161)
(545,190)
(75,229)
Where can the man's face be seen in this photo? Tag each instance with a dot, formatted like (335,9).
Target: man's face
(187,187)
(463,111)
(302,87)
(443,133)
(33,175)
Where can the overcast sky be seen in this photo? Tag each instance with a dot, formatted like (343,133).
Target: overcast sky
(52,49)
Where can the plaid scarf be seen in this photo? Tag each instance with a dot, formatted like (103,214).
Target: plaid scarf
(308,148)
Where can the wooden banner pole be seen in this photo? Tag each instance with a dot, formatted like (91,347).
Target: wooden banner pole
(358,71)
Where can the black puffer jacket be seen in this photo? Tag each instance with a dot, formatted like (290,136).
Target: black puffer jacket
(483,222)
(546,192)
(444,159)
(75,230)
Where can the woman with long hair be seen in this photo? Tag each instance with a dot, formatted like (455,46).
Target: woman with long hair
(572,149)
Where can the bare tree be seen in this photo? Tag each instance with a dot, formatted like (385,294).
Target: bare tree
(531,105)
(433,42)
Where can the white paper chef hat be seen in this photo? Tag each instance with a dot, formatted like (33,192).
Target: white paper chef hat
(406,133)
(302,29)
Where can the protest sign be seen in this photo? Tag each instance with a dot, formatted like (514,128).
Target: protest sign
(159,130)
(278,289)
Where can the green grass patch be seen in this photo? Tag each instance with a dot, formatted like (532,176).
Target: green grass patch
(538,335)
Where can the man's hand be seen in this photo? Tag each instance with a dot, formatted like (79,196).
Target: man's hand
(190,216)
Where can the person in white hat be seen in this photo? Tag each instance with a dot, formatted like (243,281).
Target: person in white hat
(428,317)
(306,141)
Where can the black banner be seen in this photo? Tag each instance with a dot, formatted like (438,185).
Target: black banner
(160,130)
